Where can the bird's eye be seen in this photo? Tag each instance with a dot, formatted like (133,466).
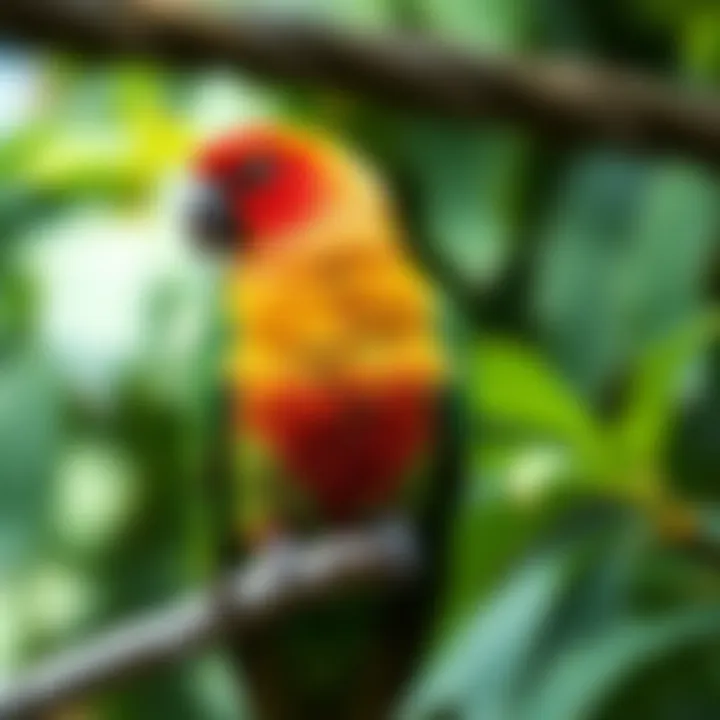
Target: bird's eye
(255,172)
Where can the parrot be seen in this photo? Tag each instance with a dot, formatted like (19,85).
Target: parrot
(336,405)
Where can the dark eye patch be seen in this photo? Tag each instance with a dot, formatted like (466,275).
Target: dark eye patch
(255,172)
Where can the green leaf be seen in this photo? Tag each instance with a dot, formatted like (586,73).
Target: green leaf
(575,687)
(514,386)
(489,24)
(29,445)
(486,656)
(699,41)
(627,248)
(578,585)
(643,428)
(583,293)
(664,275)
(466,182)
(599,593)
(503,529)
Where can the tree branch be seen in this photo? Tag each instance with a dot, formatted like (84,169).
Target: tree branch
(559,98)
(271,584)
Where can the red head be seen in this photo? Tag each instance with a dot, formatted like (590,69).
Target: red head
(258,183)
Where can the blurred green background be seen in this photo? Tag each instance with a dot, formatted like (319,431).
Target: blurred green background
(593,371)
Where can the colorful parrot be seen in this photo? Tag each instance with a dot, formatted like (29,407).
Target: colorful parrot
(336,379)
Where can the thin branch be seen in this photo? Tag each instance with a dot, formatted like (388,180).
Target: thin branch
(566,100)
(281,579)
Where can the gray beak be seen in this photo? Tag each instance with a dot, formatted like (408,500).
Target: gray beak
(211,223)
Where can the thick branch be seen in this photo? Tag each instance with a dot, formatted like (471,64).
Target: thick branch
(284,578)
(566,100)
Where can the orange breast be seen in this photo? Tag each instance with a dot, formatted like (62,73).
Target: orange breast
(337,368)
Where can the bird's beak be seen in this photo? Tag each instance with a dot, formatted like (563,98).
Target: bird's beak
(211,222)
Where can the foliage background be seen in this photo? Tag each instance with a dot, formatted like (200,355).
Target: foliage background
(594,377)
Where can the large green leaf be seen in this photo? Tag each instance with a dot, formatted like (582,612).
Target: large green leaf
(584,294)
(642,430)
(575,687)
(463,177)
(573,585)
(600,590)
(514,386)
(627,249)
(671,247)
(488,655)
(489,535)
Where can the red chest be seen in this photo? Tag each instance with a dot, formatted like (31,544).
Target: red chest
(349,450)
